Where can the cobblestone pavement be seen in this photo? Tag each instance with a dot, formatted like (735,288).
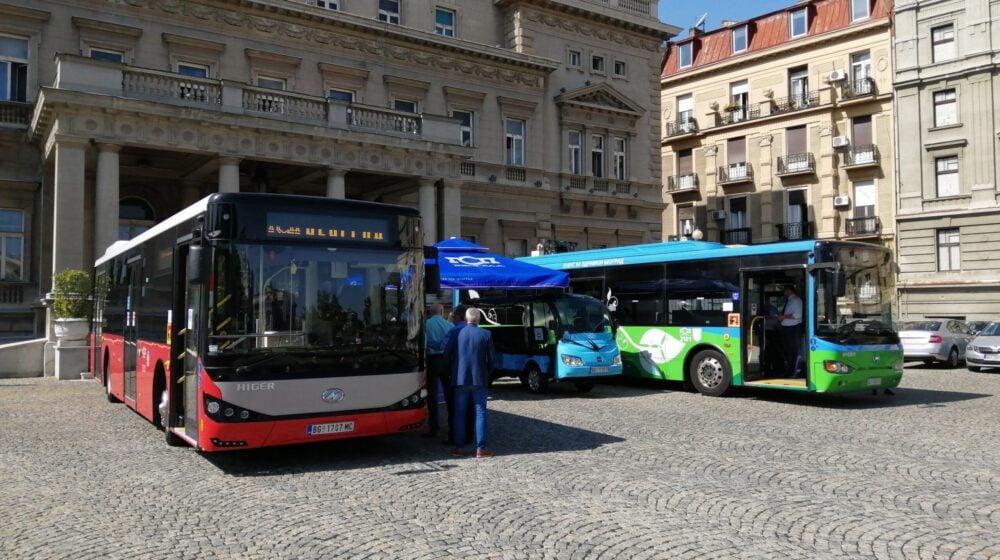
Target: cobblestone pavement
(628,471)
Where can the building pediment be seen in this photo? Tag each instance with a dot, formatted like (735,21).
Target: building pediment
(602,98)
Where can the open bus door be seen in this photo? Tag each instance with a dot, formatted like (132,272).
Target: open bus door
(134,266)
(762,352)
(182,382)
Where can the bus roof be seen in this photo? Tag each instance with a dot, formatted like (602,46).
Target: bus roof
(197,208)
(671,251)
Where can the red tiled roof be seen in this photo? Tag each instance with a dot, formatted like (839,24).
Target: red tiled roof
(769,31)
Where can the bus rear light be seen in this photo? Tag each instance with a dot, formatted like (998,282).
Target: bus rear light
(832,366)
(935,339)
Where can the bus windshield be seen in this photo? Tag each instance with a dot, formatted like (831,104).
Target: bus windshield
(344,301)
(862,313)
(582,315)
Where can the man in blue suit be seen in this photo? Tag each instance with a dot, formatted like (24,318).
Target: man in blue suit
(472,376)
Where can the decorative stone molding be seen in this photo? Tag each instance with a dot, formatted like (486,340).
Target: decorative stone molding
(265,58)
(516,107)
(405,87)
(464,96)
(193,43)
(106,27)
(766,140)
(587,29)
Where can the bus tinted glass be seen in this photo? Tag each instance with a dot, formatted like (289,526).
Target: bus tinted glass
(863,313)
(579,315)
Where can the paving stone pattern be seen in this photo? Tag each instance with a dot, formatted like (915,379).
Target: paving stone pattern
(628,471)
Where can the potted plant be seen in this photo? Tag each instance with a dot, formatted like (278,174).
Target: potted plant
(72,304)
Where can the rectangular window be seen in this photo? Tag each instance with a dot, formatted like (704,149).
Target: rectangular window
(597,63)
(947,176)
(573,59)
(514,145)
(736,150)
(685,109)
(107,54)
(685,53)
(597,155)
(406,105)
(798,87)
(340,94)
(11,245)
(685,220)
(13,69)
(861,67)
(388,11)
(328,4)
(739,100)
(864,199)
(444,22)
(943,43)
(738,216)
(267,82)
(739,39)
(685,169)
(516,248)
(949,246)
(798,22)
(193,70)
(619,146)
(575,144)
(621,69)
(860,9)
(945,108)
(465,127)
(796,212)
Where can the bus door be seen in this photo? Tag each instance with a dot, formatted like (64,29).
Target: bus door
(760,303)
(193,295)
(134,266)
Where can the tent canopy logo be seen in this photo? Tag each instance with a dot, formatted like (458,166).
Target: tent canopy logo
(470,260)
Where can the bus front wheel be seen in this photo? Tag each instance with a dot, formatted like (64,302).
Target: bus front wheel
(535,380)
(173,439)
(710,373)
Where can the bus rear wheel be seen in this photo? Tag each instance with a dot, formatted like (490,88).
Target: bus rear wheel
(710,373)
(535,380)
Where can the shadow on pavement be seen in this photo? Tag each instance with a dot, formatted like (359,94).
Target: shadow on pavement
(864,400)
(509,434)
(512,390)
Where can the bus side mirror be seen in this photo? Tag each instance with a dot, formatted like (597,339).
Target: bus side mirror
(839,282)
(432,271)
(196,265)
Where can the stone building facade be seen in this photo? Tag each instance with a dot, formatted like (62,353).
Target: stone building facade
(508,122)
(947,87)
(781,127)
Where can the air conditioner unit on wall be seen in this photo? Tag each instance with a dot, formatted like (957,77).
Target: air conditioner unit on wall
(841,201)
(837,76)
(841,141)
(718,214)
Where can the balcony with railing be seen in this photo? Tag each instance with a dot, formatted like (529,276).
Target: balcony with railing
(82,74)
(796,164)
(736,173)
(861,87)
(681,127)
(861,155)
(737,236)
(735,114)
(14,114)
(792,231)
(682,183)
(863,227)
(796,102)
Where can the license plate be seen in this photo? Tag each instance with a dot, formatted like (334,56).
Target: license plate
(874,381)
(993,357)
(599,369)
(335,428)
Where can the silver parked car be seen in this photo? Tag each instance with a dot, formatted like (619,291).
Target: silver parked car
(984,350)
(935,340)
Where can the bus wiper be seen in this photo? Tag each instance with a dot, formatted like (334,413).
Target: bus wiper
(593,345)
(246,368)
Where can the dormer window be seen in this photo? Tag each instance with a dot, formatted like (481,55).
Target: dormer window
(860,9)
(798,22)
(686,54)
(739,39)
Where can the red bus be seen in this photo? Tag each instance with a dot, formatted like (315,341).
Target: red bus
(253,320)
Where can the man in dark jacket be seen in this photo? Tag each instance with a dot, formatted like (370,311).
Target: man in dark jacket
(451,367)
(475,364)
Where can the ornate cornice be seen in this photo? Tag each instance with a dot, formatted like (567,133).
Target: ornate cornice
(203,44)
(599,31)
(24,13)
(324,29)
(97,25)
(610,19)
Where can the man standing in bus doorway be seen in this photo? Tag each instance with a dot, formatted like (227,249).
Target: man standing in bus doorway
(436,330)
(791,330)
(475,365)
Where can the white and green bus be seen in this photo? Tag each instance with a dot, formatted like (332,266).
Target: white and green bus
(703,313)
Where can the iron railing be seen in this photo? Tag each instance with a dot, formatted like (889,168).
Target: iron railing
(794,164)
(869,225)
(795,102)
(737,236)
(736,173)
(794,230)
(858,88)
(677,183)
(862,155)
(737,114)
(681,126)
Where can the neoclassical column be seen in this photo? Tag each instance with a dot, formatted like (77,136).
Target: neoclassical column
(68,203)
(428,209)
(229,174)
(451,208)
(335,185)
(106,197)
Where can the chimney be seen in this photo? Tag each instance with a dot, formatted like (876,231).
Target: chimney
(728,22)
(694,32)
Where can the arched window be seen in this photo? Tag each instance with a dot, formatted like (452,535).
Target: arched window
(134,217)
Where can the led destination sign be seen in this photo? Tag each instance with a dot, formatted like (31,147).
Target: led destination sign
(357,229)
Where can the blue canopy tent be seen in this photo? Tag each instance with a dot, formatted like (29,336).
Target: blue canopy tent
(467,266)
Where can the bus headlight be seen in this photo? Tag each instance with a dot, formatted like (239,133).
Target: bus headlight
(571,361)
(836,367)
(617,361)
(212,407)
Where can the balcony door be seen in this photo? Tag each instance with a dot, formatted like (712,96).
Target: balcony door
(685,169)
(796,158)
(796,214)
(798,86)
(736,157)
(861,140)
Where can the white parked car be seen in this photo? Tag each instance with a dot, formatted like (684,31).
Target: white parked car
(984,350)
(935,340)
